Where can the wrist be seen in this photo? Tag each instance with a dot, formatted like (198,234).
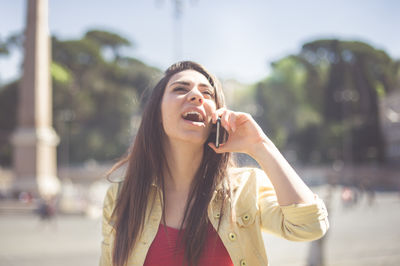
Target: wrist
(262,148)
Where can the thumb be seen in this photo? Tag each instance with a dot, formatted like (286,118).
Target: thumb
(220,149)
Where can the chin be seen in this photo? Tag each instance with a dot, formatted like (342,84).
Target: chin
(188,137)
(192,139)
(196,141)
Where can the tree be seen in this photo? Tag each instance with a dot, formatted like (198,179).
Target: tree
(3,48)
(108,40)
(358,75)
(94,108)
(94,98)
(8,118)
(286,105)
(323,102)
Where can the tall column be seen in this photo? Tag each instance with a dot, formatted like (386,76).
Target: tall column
(35,141)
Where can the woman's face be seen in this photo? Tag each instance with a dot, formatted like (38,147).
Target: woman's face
(186,107)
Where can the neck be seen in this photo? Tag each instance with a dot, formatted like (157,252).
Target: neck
(183,160)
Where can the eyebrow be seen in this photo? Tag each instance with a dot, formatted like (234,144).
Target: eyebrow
(188,84)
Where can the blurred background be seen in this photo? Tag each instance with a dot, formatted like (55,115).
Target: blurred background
(321,78)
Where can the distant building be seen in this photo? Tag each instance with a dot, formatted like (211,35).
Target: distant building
(390,123)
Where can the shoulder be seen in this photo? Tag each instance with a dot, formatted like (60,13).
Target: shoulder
(241,174)
(245,186)
(112,194)
(244,176)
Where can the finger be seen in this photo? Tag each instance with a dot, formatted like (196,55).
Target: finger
(214,118)
(232,122)
(225,120)
(216,150)
(217,113)
(212,146)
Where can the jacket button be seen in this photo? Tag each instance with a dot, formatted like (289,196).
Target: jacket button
(217,215)
(243,263)
(232,236)
(246,217)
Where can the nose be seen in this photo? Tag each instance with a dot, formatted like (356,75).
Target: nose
(195,97)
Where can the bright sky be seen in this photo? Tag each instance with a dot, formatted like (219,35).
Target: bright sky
(233,38)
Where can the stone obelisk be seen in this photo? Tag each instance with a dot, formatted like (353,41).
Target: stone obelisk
(35,141)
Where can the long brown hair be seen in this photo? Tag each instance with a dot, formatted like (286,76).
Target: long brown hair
(146,164)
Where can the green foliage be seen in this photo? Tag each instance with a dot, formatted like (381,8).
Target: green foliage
(323,102)
(76,55)
(380,89)
(94,98)
(94,108)
(107,40)
(8,118)
(3,49)
(285,100)
(59,73)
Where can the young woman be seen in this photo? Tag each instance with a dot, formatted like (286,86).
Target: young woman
(182,202)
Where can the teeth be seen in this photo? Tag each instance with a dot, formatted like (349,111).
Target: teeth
(194,113)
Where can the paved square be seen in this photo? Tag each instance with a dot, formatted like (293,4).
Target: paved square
(359,236)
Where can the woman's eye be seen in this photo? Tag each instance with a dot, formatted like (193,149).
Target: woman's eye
(180,89)
(208,93)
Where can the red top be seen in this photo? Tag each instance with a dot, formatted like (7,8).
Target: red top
(164,251)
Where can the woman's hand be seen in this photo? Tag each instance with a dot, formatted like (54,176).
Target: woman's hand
(245,135)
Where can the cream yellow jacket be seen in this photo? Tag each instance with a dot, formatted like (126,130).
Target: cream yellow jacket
(255,208)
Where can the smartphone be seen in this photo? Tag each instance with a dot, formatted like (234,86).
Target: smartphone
(217,133)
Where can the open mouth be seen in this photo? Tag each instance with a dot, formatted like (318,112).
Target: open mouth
(193,116)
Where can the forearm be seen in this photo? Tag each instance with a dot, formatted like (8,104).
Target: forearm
(289,187)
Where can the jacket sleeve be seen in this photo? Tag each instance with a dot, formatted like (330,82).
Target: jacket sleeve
(107,228)
(296,222)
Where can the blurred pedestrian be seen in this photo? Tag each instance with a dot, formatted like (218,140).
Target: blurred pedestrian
(347,197)
(46,210)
